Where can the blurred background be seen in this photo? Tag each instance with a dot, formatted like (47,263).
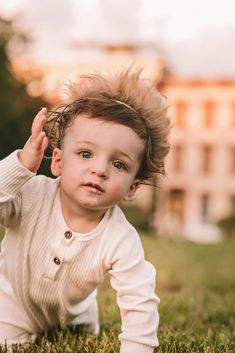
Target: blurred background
(187,50)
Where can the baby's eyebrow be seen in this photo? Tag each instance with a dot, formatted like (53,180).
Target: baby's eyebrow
(125,155)
(85,142)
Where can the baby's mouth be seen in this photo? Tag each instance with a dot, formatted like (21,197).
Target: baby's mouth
(95,188)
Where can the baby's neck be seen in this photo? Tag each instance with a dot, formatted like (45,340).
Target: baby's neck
(84,225)
(84,222)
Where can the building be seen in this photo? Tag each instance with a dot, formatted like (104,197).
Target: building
(49,79)
(200,185)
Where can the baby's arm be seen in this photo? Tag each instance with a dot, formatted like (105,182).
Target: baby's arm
(18,168)
(134,280)
(32,154)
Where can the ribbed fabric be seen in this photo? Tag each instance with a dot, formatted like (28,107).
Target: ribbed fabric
(50,274)
(131,347)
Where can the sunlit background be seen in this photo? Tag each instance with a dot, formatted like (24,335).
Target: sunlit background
(187,49)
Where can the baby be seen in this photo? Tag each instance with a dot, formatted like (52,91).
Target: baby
(64,234)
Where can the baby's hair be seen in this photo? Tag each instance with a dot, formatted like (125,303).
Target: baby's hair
(126,99)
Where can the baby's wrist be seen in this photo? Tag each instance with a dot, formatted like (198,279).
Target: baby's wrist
(26,162)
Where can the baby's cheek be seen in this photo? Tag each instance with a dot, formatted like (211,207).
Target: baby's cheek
(119,189)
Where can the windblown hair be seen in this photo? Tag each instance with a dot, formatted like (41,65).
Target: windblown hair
(125,99)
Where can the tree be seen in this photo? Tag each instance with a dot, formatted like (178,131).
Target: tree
(227,226)
(17,107)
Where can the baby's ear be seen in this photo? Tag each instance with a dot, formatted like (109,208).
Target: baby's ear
(56,162)
(131,193)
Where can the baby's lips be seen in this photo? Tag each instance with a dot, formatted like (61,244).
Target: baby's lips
(95,186)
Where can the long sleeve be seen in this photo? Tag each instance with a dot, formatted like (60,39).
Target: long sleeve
(134,280)
(13,175)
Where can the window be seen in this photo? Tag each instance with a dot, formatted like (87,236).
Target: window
(206,159)
(177,158)
(177,201)
(208,113)
(232,160)
(232,203)
(205,207)
(180,113)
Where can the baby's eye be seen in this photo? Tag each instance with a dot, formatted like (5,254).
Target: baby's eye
(119,165)
(85,154)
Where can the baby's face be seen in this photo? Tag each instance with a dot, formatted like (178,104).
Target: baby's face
(98,164)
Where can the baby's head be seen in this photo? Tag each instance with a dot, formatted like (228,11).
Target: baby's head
(125,99)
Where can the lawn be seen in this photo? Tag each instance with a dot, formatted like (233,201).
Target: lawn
(196,284)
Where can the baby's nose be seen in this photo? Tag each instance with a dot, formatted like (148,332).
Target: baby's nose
(100,169)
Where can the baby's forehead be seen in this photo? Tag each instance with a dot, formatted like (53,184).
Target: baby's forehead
(101,131)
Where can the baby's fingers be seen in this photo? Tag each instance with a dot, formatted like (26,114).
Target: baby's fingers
(38,123)
(45,143)
(40,142)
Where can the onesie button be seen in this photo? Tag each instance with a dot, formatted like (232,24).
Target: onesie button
(68,234)
(56,260)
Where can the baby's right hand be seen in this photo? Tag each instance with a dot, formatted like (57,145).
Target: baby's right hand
(32,154)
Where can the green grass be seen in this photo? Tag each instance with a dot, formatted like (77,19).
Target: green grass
(196,284)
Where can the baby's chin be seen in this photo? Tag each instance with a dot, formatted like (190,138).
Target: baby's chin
(93,203)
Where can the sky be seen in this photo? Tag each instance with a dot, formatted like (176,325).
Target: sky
(197,37)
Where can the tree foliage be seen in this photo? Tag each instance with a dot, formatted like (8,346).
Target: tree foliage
(17,107)
(227,226)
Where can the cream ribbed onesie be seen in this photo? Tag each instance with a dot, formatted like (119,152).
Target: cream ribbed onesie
(49,274)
